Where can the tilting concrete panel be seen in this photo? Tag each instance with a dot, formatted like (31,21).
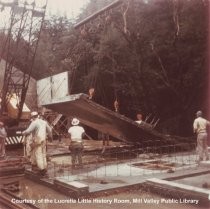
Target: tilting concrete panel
(103,119)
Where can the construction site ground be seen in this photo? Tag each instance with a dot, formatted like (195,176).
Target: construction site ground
(115,178)
(122,196)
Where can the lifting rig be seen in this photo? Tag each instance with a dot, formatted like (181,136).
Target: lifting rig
(18,48)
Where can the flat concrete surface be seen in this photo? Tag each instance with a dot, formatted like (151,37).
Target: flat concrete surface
(115,175)
(201,181)
(107,178)
(175,186)
(97,184)
(205,163)
(108,183)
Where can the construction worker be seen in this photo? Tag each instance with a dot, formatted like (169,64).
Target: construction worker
(91,93)
(105,139)
(76,143)
(39,130)
(116,106)
(28,143)
(139,118)
(199,127)
(3,135)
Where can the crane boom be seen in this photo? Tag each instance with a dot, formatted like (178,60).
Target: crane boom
(19,49)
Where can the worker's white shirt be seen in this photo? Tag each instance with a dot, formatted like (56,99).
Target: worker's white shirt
(39,129)
(200,124)
(76,133)
(139,121)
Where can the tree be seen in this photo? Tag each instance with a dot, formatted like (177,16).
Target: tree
(151,57)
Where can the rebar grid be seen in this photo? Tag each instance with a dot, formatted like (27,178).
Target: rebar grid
(130,161)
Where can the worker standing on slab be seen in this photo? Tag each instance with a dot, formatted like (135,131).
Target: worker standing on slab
(76,132)
(3,135)
(139,118)
(39,130)
(199,127)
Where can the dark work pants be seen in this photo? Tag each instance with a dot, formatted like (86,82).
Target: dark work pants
(76,149)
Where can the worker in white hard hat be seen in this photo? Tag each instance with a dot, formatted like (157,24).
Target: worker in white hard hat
(76,142)
(199,127)
(39,130)
(34,114)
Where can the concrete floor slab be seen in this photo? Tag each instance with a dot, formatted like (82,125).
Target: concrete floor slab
(205,163)
(200,181)
(188,193)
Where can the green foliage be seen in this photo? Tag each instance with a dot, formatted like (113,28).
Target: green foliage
(150,56)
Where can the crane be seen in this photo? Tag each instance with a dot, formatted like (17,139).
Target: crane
(18,49)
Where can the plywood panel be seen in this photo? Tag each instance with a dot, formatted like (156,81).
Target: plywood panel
(54,87)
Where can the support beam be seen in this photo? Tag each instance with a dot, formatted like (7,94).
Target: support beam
(100,12)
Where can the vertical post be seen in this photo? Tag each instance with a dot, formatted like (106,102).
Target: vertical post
(54,169)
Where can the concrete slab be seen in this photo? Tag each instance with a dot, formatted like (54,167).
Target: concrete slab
(118,176)
(107,176)
(73,188)
(178,189)
(201,181)
(205,163)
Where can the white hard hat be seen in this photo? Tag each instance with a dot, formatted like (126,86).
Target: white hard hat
(75,121)
(199,113)
(33,114)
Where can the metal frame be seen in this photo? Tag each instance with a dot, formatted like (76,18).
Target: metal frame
(19,49)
